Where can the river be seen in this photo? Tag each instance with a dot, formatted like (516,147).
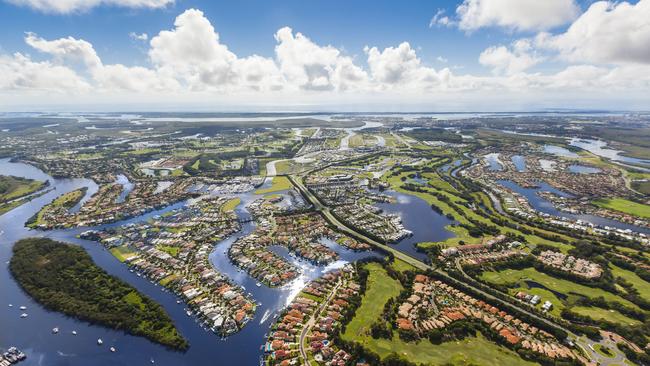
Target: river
(33,334)
(542,205)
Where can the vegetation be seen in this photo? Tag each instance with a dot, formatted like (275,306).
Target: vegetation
(231,204)
(12,189)
(623,205)
(64,278)
(279,183)
(473,350)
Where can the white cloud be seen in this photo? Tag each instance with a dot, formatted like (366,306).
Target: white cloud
(440,19)
(607,32)
(503,60)
(70,6)
(139,37)
(515,14)
(188,63)
(313,67)
(20,73)
(442,59)
(66,50)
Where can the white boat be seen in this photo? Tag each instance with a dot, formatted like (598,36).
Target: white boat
(23,308)
(55,330)
(11,305)
(112,349)
(258,284)
(99,341)
(74,332)
(189,313)
(23,315)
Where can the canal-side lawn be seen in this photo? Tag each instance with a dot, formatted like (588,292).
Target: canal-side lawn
(122,253)
(473,350)
(623,205)
(231,204)
(279,183)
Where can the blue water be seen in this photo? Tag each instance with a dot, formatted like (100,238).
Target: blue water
(519,162)
(493,161)
(581,169)
(559,151)
(417,216)
(545,206)
(33,334)
(599,147)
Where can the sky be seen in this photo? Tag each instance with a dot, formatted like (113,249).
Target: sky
(334,55)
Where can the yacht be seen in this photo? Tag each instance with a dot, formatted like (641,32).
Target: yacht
(99,341)
(112,349)
(23,315)
(55,330)
(23,308)
(74,332)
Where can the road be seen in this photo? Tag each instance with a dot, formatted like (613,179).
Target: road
(319,206)
(312,320)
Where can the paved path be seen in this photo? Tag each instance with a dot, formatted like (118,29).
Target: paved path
(312,321)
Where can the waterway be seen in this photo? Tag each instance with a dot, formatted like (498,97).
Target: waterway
(418,217)
(599,147)
(542,205)
(33,334)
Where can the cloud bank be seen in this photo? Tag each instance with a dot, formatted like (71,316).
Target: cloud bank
(602,51)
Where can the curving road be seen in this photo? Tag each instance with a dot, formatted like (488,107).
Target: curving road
(312,321)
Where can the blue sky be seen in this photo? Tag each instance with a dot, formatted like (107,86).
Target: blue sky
(247,27)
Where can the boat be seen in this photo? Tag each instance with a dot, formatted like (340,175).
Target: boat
(152,361)
(11,305)
(112,349)
(23,315)
(258,284)
(23,308)
(189,313)
(55,330)
(178,301)
(74,332)
(99,341)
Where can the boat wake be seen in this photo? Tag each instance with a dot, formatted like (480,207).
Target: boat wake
(266,316)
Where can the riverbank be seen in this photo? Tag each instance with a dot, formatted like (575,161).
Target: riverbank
(63,277)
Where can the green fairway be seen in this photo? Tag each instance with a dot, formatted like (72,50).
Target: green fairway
(623,205)
(637,282)
(470,351)
(512,276)
(612,316)
(280,183)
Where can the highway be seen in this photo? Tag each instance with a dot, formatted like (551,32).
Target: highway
(319,206)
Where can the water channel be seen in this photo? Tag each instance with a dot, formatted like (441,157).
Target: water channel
(34,335)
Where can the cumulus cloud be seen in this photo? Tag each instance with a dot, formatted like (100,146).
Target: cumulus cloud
(314,67)
(510,61)
(607,32)
(66,50)
(70,6)
(189,60)
(523,15)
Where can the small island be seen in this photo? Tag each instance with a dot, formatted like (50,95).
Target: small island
(56,210)
(63,277)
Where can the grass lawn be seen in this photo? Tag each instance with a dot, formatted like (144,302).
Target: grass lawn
(511,276)
(637,282)
(605,314)
(14,187)
(401,266)
(122,253)
(231,204)
(623,205)
(474,350)
(280,183)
